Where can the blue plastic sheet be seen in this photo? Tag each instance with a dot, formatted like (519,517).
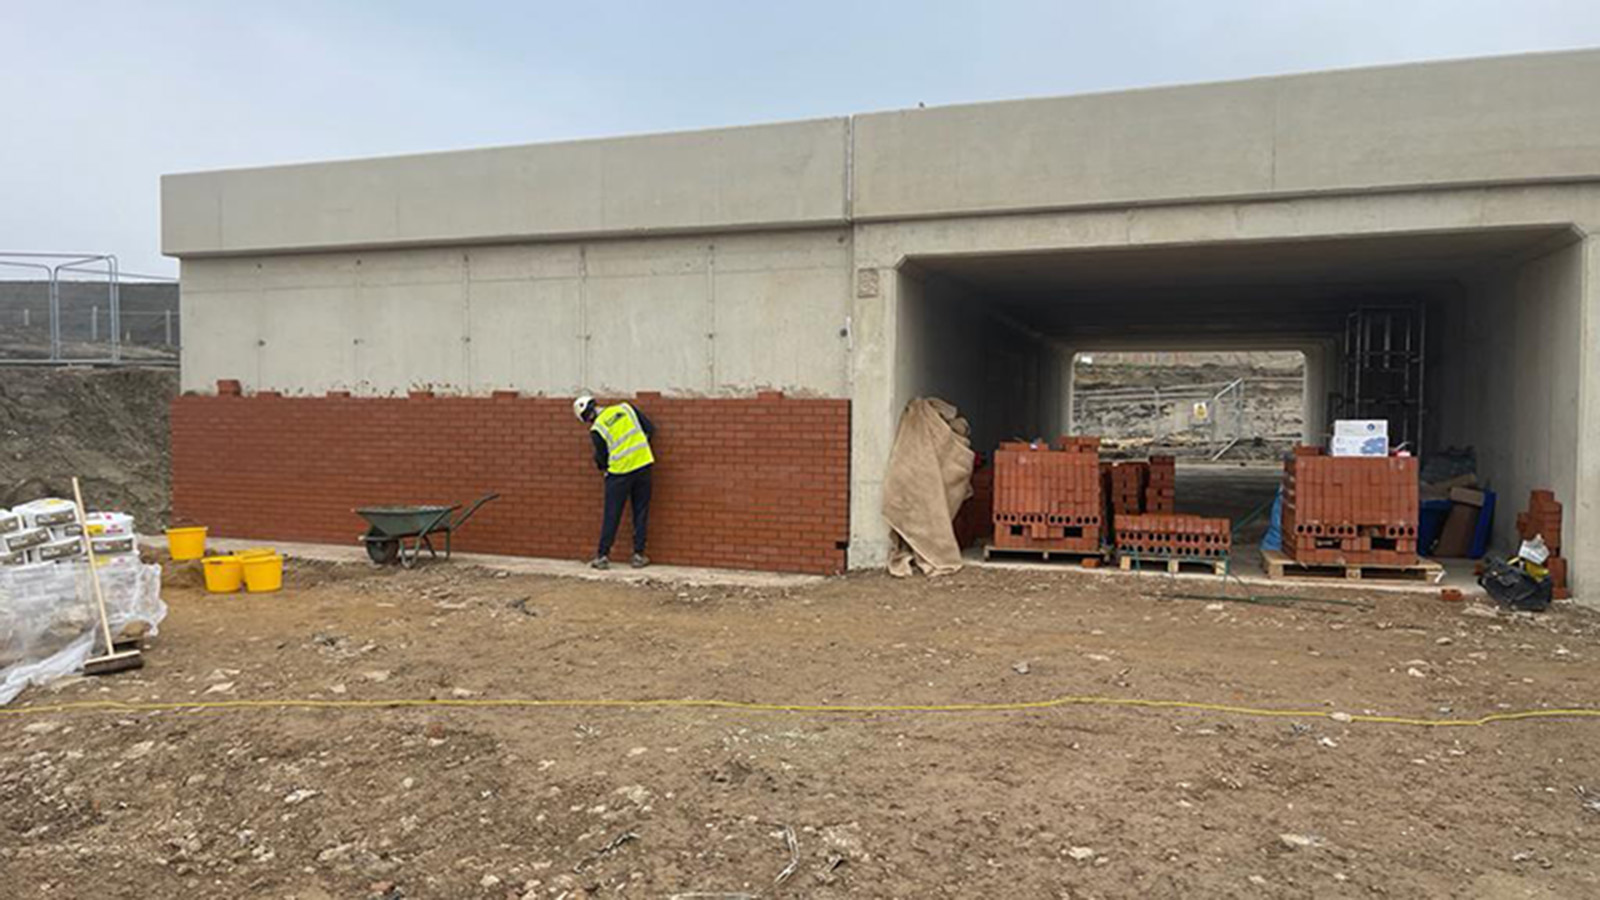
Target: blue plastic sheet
(1273,540)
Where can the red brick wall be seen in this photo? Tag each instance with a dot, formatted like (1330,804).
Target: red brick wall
(757,483)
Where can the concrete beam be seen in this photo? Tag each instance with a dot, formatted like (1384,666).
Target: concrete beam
(1514,119)
(790,174)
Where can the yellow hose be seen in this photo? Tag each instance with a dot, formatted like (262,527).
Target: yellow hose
(1017,706)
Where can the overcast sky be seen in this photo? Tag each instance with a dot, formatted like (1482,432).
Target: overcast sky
(103,98)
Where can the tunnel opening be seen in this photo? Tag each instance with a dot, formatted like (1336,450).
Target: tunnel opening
(1227,417)
(1466,342)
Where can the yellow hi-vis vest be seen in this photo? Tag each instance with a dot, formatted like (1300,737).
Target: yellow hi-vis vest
(625,440)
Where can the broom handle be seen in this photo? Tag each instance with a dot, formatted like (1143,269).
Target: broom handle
(94,569)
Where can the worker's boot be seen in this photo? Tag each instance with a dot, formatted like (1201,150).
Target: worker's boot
(639,560)
(600,562)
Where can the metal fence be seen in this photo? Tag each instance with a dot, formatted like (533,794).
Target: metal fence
(1205,420)
(82,309)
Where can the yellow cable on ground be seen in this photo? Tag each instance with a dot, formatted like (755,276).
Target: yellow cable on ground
(1017,706)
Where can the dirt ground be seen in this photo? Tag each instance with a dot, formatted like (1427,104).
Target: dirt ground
(107,426)
(1076,801)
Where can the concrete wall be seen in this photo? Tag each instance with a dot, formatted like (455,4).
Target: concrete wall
(1006,382)
(734,178)
(720,315)
(1510,384)
(1510,119)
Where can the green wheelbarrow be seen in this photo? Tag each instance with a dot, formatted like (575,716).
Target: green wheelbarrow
(390,527)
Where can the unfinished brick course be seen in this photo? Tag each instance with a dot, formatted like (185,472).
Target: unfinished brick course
(753,483)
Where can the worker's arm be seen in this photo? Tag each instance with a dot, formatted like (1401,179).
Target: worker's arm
(602,455)
(645,423)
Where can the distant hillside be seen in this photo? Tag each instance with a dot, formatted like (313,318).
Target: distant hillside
(1144,402)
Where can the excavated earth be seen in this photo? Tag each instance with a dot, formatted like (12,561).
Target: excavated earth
(109,427)
(364,799)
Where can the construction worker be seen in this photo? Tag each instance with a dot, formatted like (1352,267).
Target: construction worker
(621,436)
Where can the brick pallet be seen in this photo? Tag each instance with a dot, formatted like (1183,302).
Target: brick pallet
(1279,565)
(1048,500)
(1543,519)
(1354,511)
(1172,565)
(1173,539)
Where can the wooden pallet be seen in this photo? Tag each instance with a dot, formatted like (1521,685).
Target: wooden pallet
(1281,566)
(1146,562)
(990,551)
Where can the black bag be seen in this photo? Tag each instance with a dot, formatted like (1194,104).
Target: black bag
(1511,586)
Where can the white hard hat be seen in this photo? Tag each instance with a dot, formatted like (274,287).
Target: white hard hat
(581,405)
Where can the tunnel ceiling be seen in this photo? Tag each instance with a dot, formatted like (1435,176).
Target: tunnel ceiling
(1254,291)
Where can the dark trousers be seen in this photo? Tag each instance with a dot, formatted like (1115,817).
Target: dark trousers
(634,488)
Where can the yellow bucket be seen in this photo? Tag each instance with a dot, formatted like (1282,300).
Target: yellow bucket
(186,543)
(263,574)
(256,551)
(224,574)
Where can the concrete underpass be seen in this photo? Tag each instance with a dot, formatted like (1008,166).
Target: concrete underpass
(995,333)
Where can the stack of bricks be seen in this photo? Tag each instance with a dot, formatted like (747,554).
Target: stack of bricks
(975,520)
(1048,499)
(1127,490)
(1543,520)
(1350,510)
(1174,536)
(1161,486)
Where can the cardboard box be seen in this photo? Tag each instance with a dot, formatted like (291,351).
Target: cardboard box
(1455,538)
(1359,446)
(1364,428)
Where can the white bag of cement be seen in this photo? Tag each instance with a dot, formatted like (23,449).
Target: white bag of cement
(47,512)
(109,524)
(48,620)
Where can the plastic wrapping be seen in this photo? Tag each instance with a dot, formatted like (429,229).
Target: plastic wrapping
(48,619)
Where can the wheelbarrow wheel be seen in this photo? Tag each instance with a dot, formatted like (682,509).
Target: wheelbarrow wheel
(384,553)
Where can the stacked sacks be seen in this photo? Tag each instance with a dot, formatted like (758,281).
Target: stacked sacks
(62,537)
(10,527)
(21,538)
(47,531)
(111,534)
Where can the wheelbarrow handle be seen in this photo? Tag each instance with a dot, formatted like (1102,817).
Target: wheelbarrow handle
(461,520)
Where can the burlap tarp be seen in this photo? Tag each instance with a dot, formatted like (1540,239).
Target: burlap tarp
(930,476)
